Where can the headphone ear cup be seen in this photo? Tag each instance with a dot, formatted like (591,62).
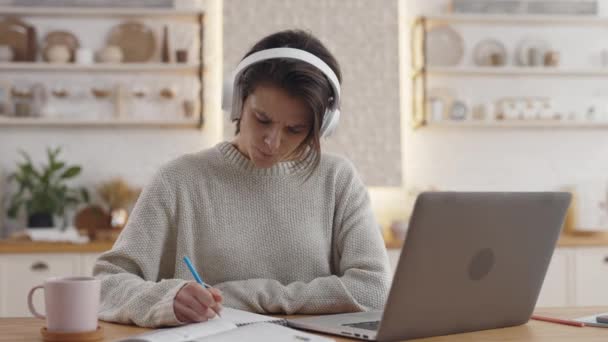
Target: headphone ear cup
(227,93)
(331,123)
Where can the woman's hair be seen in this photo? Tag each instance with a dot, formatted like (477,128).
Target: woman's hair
(298,79)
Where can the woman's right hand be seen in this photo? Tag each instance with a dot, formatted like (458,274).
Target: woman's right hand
(194,303)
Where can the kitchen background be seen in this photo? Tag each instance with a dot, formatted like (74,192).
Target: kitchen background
(509,96)
(512,154)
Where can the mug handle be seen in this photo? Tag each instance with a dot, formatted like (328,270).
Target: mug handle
(30,303)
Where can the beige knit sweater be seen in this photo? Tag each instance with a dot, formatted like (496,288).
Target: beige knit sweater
(269,241)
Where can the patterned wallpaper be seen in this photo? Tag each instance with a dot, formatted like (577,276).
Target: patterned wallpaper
(362,34)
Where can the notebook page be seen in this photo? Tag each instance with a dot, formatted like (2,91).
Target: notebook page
(240,317)
(184,333)
(264,332)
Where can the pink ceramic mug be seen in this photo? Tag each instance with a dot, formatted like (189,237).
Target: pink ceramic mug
(71,303)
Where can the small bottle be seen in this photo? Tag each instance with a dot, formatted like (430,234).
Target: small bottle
(165,55)
(535,57)
(32,45)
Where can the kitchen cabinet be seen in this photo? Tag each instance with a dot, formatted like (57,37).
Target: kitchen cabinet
(2,287)
(20,272)
(577,276)
(591,276)
(556,286)
(87,261)
(393,257)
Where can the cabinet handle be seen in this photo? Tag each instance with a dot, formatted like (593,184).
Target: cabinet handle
(39,266)
(606,259)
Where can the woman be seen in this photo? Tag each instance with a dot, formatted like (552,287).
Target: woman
(272,223)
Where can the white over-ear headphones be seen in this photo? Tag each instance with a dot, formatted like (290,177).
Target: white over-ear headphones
(231,97)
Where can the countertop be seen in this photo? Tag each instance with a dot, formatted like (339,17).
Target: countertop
(566,240)
(583,240)
(12,247)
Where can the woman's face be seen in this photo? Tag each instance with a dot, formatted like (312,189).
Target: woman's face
(273,125)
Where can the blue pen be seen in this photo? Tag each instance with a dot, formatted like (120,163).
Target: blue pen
(197,277)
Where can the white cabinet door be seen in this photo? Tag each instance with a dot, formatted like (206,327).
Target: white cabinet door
(591,276)
(24,271)
(393,258)
(555,290)
(87,261)
(3,275)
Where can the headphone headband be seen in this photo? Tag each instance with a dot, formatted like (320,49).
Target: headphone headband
(330,119)
(291,53)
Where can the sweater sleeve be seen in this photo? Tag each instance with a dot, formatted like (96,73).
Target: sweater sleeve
(361,276)
(133,288)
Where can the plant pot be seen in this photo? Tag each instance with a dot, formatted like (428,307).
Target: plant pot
(40,220)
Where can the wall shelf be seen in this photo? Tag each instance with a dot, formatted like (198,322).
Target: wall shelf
(518,124)
(515,71)
(518,19)
(474,104)
(135,67)
(98,11)
(187,75)
(71,123)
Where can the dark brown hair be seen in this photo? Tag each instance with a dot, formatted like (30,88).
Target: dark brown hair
(298,79)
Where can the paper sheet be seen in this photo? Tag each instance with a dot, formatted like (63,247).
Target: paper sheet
(184,333)
(230,320)
(240,317)
(591,321)
(264,332)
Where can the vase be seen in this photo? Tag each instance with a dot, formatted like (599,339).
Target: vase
(40,220)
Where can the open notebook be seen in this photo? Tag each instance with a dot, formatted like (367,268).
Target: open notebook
(232,326)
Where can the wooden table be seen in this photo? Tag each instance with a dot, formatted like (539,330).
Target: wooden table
(28,329)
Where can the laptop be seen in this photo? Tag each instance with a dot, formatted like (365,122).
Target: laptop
(471,261)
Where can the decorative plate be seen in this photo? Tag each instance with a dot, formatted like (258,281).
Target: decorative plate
(136,40)
(444,46)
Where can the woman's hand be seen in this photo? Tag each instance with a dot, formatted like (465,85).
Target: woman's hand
(194,303)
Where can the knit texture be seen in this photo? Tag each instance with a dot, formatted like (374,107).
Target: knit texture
(268,240)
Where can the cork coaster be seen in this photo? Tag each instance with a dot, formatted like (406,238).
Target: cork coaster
(54,336)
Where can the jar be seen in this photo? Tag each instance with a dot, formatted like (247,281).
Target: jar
(110,54)
(58,54)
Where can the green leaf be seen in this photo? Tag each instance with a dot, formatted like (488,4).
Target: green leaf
(16,202)
(58,166)
(52,154)
(29,163)
(72,200)
(71,172)
(25,156)
(13,209)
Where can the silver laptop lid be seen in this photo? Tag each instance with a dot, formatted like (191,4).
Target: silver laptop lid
(472,261)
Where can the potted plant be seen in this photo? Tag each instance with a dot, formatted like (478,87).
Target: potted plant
(43,191)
